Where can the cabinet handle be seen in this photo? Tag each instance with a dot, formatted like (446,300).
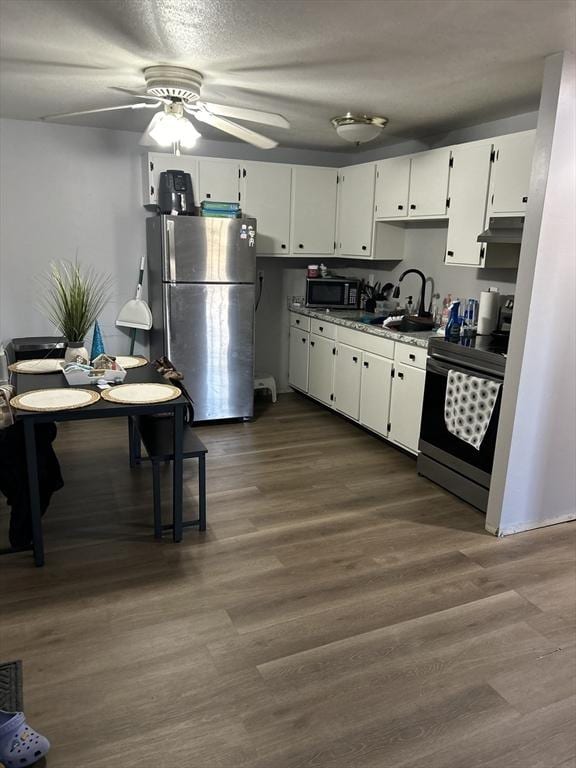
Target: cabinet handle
(208,195)
(283,245)
(355,359)
(364,247)
(400,375)
(400,207)
(366,364)
(301,245)
(321,328)
(412,357)
(297,322)
(312,343)
(524,199)
(412,207)
(450,253)
(303,339)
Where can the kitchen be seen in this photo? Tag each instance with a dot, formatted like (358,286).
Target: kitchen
(340,606)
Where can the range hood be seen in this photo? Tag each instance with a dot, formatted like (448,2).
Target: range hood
(503,229)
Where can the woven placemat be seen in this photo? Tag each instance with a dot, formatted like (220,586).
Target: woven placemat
(43,365)
(11,698)
(58,399)
(131,361)
(141,394)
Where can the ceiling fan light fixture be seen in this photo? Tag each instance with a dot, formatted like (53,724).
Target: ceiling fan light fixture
(171,128)
(358,129)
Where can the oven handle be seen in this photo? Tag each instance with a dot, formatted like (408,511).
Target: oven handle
(434,366)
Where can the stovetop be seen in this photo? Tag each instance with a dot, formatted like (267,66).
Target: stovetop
(482,352)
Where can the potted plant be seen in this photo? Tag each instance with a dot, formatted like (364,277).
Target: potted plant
(73,299)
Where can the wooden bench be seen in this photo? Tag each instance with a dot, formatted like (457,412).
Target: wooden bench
(156,434)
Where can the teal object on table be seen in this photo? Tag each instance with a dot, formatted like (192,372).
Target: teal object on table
(97,342)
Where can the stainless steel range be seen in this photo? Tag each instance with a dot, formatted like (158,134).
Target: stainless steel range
(456,465)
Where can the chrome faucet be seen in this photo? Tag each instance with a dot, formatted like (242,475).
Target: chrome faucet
(421,311)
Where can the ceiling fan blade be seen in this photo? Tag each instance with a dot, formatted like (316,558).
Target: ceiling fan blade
(139,94)
(102,109)
(239,131)
(254,115)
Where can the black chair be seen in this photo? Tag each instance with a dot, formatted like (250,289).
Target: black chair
(156,434)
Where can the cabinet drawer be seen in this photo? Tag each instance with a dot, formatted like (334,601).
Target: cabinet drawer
(409,355)
(323,328)
(299,321)
(366,341)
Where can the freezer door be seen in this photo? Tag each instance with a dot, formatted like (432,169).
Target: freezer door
(205,250)
(209,336)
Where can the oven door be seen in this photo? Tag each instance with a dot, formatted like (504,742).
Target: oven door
(438,443)
(326,293)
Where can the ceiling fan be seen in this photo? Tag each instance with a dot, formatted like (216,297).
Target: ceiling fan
(177,91)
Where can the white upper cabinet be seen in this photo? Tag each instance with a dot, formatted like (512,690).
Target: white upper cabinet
(392,184)
(469,179)
(156,162)
(313,209)
(265,194)
(347,371)
(218,180)
(511,173)
(356,210)
(429,183)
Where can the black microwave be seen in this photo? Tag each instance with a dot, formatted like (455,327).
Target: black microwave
(332,292)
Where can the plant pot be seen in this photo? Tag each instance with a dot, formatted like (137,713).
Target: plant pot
(76,352)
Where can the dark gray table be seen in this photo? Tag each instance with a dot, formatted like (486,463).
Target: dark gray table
(103,409)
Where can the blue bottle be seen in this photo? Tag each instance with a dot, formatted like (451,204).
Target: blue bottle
(454,323)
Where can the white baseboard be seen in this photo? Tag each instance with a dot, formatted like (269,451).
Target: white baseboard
(530,526)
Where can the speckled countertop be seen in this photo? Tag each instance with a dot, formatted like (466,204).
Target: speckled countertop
(351,319)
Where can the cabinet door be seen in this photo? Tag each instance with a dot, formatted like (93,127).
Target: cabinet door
(375,392)
(469,179)
(313,209)
(406,406)
(321,368)
(392,183)
(218,180)
(266,196)
(156,162)
(511,173)
(356,210)
(298,362)
(429,183)
(347,370)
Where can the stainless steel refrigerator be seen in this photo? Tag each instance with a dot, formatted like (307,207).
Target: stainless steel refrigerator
(201,275)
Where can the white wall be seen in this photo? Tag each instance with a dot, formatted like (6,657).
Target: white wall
(68,192)
(534,478)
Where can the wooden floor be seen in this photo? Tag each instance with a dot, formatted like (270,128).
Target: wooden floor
(340,612)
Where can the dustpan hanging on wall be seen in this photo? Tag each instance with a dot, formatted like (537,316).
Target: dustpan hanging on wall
(135,314)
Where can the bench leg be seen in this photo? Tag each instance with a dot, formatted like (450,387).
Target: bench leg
(202,492)
(134,447)
(157,500)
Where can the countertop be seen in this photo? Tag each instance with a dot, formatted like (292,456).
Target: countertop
(350,318)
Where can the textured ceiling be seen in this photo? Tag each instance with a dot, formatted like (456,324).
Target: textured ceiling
(429,65)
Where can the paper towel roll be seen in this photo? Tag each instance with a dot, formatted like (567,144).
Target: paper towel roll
(488,312)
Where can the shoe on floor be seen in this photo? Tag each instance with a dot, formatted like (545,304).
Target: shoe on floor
(20,745)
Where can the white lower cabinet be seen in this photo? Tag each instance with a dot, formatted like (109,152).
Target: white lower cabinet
(321,368)
(298,363)
(406,405)
(347,373)
(376,386)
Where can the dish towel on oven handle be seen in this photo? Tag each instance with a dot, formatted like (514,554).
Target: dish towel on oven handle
(468,406)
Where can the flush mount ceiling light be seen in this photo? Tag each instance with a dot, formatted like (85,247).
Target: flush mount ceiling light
(358,129)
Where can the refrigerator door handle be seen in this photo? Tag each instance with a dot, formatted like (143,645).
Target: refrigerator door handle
(171,248)
(168,331)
